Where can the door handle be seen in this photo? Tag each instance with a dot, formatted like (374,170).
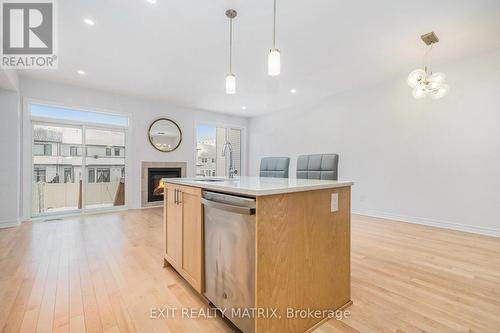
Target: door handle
(228,207)
(179,196)
(175,196)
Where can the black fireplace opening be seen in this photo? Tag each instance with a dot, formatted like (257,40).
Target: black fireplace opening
(154,177)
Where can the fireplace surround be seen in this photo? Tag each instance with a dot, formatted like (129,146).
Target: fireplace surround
(152,172)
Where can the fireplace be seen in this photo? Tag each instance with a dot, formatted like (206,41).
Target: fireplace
(155,187)
(152,173)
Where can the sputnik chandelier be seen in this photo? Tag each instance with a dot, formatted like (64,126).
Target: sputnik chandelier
(423,81)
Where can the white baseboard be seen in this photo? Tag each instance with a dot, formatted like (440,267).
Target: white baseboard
(9,223)
(429,222)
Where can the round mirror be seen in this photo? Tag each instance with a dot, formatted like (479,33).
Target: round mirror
(165,135)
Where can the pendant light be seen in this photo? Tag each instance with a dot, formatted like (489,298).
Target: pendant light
(231,78)
(274,56)
(424,82)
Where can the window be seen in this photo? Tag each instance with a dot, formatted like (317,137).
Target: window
(210,142)
(117,151)
(38,149)
(42,149)
(103,175)
(59,113)
(40,174)
(108,151)
(91,178)
(73,151)
(68,175)
(47,150)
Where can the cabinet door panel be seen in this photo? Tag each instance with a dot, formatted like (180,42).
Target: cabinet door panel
(192,239)
(173,229)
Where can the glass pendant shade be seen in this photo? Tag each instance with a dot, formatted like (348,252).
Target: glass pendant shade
(419,91)
(427,85)
(440,92)
(274,62)
(230,84)
(437,77)
(415,77)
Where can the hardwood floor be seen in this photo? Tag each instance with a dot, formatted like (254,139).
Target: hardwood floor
(103,273)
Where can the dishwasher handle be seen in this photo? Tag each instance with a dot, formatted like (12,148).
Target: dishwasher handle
(228,208)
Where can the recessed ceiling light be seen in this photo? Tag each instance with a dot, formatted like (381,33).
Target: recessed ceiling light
(243,107)
(88,21)
(293,91)
(81,72)
(152,1)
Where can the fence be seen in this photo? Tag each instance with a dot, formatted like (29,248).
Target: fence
(49,197)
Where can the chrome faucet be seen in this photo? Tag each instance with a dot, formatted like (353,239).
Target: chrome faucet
(228,146)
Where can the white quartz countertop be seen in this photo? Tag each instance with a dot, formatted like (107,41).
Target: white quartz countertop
(258,186)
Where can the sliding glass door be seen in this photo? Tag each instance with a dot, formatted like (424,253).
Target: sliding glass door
(76,168)
(57,169)
(105,168)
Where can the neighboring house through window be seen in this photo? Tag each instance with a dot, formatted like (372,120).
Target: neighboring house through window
(210,140)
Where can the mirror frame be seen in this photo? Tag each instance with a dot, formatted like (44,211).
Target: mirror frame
(173,122)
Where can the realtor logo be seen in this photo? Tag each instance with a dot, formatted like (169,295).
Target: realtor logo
(28,34)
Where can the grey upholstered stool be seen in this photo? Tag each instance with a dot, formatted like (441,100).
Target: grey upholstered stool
(274,167)
(319,166)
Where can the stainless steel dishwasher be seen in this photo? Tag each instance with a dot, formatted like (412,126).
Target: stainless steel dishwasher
(230,255)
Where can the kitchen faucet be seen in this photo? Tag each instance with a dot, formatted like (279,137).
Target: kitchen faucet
(228,146)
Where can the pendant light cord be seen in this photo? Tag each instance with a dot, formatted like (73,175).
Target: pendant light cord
(274,27)
(425,57)
(230,46)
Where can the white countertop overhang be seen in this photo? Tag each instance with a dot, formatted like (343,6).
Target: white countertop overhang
(258,186)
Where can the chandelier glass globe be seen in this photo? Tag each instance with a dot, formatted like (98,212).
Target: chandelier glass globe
(432,85)
(415,77)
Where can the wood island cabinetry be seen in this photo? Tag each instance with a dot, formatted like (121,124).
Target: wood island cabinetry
(301,244)
(184,232)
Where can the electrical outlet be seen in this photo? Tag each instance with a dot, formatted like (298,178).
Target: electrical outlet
(334,205)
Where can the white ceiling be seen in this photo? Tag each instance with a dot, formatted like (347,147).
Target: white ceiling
(176,50)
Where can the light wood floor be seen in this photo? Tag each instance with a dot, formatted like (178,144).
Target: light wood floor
(104,273)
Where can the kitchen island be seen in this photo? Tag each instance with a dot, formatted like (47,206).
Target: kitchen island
(282,250)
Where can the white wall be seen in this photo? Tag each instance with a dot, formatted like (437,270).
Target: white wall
(9,79)
(10,158)
(423,161)
(142,114)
